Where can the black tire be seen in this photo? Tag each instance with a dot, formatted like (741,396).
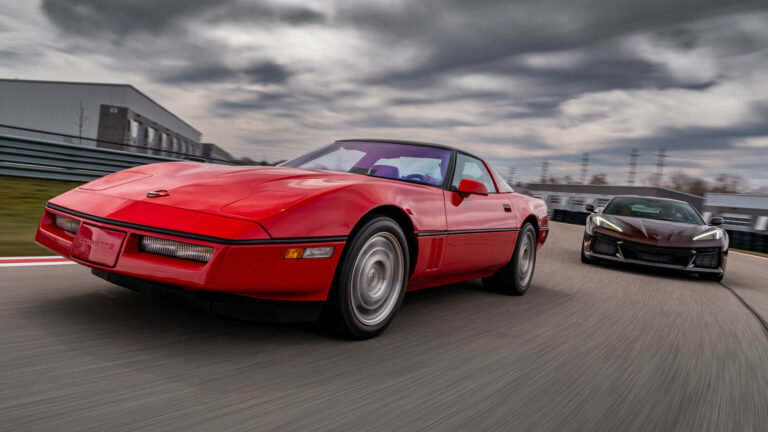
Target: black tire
(381,245)
(717,277)
(510,279)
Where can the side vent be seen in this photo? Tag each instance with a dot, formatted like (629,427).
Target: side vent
(436,253)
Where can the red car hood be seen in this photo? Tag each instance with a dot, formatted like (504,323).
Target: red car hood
(247,192)
(656,232)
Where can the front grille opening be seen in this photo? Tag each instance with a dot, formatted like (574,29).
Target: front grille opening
(659,258)
(707,260)
(604,247)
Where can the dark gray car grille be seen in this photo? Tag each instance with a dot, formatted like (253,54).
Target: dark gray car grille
(702,257)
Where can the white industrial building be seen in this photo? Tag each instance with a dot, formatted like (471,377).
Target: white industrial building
(116,116)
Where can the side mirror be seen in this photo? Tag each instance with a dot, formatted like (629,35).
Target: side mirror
(715,221)
(469,187)
(590,208)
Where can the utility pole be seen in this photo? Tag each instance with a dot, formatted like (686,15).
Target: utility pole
(511,175)
(662,154)
(544,169)
(584,166)
(80,122)
(632,166)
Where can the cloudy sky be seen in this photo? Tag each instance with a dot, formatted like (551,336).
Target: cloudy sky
(513,81)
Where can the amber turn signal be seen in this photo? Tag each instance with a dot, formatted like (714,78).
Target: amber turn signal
(315,252)
(294,253)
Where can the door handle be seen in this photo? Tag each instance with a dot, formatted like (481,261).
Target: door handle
(507,208)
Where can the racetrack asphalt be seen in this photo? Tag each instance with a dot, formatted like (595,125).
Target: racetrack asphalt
(590,347)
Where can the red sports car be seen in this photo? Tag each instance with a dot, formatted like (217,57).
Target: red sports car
(342,232)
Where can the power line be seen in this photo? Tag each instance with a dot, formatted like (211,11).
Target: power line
(511,175)
(632,167)
(584,166)
(662,154)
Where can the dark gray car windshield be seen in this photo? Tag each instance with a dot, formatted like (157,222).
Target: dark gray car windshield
(649,208)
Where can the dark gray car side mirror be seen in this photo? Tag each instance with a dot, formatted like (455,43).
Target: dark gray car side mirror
(715,221)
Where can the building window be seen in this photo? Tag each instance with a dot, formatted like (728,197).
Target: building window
(554,199)
(135,128)
(577,201)
(164,141)
(151,137)
(737,220)
(601,202)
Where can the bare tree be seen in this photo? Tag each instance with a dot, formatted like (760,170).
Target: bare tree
(726,183)
(80,121)
(682,182)
(599,179)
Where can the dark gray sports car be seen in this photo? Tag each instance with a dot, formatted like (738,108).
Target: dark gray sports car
(656,232)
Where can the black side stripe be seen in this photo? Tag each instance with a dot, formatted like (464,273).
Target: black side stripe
(193,236)
(475,231)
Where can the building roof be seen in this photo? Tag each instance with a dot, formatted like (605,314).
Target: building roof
(127,86)
(608,189)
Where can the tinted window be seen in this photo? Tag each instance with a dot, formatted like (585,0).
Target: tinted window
(470,168)
(649,208)
(413,163)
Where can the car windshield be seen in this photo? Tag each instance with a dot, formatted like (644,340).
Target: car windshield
(413,163)
(649,208)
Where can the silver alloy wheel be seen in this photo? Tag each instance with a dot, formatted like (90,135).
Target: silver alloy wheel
(377,278)
(526,257)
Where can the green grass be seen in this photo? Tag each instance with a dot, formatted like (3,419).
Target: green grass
(21,205)
(748,252)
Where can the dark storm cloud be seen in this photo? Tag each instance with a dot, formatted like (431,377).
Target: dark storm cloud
(257,101)
(386,121)
(262,73)
(459,34)
(120,18)
(6,55)
(521,73)
(701,138)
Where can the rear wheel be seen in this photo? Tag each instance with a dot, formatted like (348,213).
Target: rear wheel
(371,280)
(515,277)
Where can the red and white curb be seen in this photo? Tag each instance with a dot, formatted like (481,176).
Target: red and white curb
(33,261)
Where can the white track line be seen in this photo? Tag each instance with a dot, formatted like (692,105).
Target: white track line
(31,257)
(29,264)
(748,254)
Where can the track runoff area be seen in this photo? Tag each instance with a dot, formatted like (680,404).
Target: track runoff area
(589,347)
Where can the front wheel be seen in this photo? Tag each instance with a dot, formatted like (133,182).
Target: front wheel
(371,280)
(515,277)
(584,258)
(717,277)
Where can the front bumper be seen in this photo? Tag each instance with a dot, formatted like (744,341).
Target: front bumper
(700,260)
(257,270)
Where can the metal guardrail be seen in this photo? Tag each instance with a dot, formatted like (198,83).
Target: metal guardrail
(36,158)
